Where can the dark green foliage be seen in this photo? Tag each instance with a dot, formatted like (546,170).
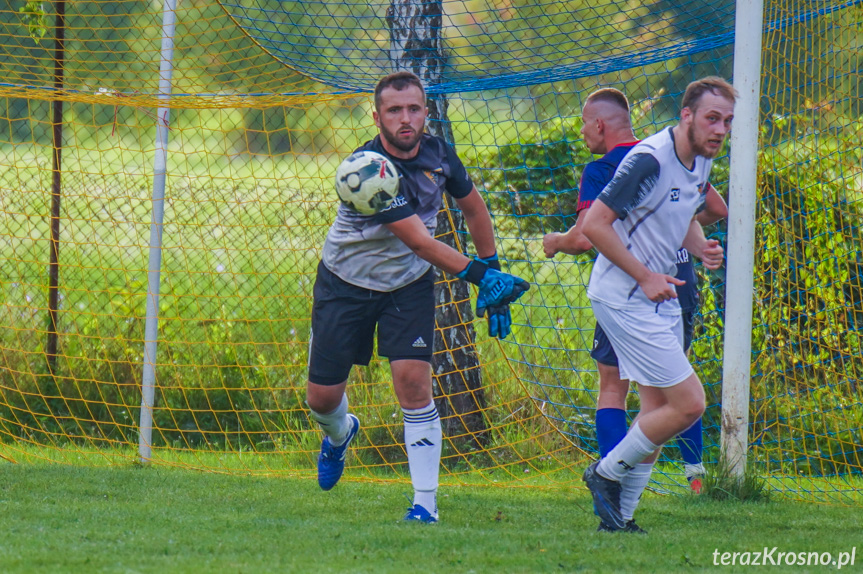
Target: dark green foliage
(536,178)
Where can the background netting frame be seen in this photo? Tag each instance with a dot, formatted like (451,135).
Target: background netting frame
(278,134)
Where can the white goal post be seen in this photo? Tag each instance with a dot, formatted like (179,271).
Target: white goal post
(742,193)
(160,173)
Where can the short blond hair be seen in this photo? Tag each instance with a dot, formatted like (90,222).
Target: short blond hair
(611,96)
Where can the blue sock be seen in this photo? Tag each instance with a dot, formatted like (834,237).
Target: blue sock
(610,429)
(690,443)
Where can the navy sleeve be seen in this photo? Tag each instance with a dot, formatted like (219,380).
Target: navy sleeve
(399,209)
(633,180)
(702,202)
(593,180)
(458,184)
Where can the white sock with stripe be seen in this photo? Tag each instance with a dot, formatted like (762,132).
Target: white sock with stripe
(630,451)
(423,437)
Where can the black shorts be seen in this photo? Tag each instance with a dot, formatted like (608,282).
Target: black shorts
(344,318)
(603,352)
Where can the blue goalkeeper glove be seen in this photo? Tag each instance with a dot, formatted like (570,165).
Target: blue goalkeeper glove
(492,261)
(496,289)
(499,316)
(499,321)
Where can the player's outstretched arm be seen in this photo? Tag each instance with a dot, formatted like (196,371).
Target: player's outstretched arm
(598,228)
(496,289)
(413,233)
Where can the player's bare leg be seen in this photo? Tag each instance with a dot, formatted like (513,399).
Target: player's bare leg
(412,381)
(612,389)
(324,398)
(684,404)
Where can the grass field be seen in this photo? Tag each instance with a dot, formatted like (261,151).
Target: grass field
(127,519)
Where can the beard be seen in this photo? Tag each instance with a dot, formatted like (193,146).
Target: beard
(697,146)
(405,145)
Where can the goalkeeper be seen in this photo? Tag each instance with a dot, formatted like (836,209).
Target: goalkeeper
(375,273)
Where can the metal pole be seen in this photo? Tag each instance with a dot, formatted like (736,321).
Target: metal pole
(151,328)
(741,234)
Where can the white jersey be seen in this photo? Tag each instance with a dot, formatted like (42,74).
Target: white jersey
(655,198)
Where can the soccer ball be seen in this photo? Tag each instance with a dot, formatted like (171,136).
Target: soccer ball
(367,182)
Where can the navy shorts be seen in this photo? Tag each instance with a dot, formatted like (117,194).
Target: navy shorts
(344,319)
(603,352)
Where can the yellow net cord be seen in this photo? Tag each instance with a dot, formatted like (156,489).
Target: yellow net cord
(253,145)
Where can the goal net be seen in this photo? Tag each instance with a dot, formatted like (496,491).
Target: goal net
(267,97)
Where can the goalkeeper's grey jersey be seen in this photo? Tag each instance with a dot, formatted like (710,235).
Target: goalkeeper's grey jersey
(362,251)
(655,198)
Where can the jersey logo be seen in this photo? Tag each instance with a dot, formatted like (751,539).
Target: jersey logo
(675,194)
(419,343)
(399,201)
(433,175)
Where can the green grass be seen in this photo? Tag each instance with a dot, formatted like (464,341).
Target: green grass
(128,519)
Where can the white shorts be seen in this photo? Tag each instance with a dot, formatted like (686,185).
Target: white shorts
(649,346)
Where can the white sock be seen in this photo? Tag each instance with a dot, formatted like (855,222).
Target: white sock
(632,485)
(335,424)
(629,452)
(693,470)
(423,437)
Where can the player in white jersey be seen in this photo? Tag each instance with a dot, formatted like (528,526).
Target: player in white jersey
(638,224)
(607,129)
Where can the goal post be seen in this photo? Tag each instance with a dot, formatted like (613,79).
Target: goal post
(160,174)
(741,234)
